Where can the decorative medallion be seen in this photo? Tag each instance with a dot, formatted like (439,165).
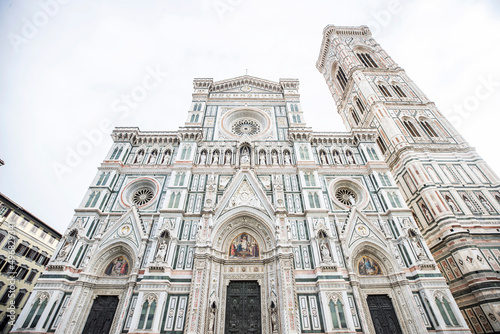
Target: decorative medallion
(246,89)
(125,230)
(362,230)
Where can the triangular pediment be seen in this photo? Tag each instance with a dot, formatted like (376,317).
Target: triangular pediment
(246,84)
(245,190)
(129,228)
(359,227)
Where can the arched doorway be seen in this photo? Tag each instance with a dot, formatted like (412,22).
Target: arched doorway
(242,274)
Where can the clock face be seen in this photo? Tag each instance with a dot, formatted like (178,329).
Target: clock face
(246,89)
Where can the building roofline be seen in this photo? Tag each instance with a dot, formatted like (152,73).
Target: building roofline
(337,30)
(25,212)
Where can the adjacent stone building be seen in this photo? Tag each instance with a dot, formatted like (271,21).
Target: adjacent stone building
(245,220)
(26,245)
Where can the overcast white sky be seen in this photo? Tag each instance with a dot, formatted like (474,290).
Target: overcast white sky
(64,66)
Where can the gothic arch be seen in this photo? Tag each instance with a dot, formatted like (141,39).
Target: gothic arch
(243,220)
(106,255)
(378,253)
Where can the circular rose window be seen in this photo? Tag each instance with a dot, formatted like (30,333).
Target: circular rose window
(245,126)
(346,196)
(142,196)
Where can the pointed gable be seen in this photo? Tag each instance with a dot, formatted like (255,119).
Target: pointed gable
(244,190)
(129,228)
(359,227)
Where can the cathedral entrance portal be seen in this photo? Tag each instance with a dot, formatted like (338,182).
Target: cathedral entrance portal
(383,315)
(101,315)
(243,308)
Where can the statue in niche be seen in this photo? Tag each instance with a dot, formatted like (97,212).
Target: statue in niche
(287,158)
(63,253)
(469,203)
(336,158)
(262,158)
(215,160)
(485,203)
(166,157)
(325,252)
(152,157)
(203,158)
(274,318)
(162,252)
(452,204)
(323,158)
(211,321)
(275,158)
(426,212)
(245,155)
(350,158)
(228,158)
(140,157)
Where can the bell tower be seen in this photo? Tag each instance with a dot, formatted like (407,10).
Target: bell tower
(453,193)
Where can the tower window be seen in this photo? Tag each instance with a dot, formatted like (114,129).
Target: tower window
(355,117)
(384,91)
(381,145)
(367,60)
(341,78)
(428,129)
(411,128)
(360,106)
(399,91)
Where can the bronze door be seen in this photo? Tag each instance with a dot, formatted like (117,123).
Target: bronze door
(383,314)
(101,315)
(243,308)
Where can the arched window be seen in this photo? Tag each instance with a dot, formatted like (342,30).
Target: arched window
(316,200)
(172,199)
(147,313)
(381,145)
(374,153)
(355,117)
(398,91)
(114,153)
(36,312)
(294,118)
(428,129)
(192,118)
(384,90)
(411,128)
(337,313)
(119,153)
(446,311)
(177,200)
(91,197)
(367,59)
(197,118)
(360,105)
(341,78)
(298,119)
(100,179)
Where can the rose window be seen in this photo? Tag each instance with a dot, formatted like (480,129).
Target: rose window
(245,127)
(142,196)
(346,196)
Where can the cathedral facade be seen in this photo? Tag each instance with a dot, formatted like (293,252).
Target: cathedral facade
(245,220)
